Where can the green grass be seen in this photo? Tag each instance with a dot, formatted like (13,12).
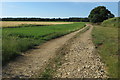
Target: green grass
(106,41)
(112,22)
(18,40)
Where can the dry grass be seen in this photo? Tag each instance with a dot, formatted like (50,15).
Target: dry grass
(17,23)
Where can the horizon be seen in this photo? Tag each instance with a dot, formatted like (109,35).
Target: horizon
(44,17)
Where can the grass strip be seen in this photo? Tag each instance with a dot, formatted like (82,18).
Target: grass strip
(106,42)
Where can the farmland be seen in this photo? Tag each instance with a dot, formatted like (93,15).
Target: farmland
(22,23)
(18,40)
(47,40)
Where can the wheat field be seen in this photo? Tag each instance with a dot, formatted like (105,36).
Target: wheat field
(17,23)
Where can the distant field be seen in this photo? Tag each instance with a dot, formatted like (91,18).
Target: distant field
(19,23)
(17,40)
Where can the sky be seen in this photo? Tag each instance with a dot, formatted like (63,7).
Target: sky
(54,9)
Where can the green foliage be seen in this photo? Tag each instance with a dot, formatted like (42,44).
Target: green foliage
(71,19)
(106,41)
(113,22)
(17,40)
(99,14)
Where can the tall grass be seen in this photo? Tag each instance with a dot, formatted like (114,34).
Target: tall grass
(18,40)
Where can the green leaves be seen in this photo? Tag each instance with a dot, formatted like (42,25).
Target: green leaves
(99,14)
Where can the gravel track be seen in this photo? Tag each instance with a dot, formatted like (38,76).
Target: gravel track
(82,60)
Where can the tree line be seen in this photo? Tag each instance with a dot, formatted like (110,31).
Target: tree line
(47,19)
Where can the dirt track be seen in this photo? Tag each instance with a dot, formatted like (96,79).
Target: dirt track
(81,59)
(34,61)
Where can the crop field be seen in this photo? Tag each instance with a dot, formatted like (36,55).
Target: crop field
(22,23)
(106,41)
(17,40)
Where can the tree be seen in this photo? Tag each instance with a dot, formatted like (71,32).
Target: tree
(99,14)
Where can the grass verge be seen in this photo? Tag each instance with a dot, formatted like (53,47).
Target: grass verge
(106,42)
(112,22)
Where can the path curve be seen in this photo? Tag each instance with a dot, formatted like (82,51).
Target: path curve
(34,61)
(81,59)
